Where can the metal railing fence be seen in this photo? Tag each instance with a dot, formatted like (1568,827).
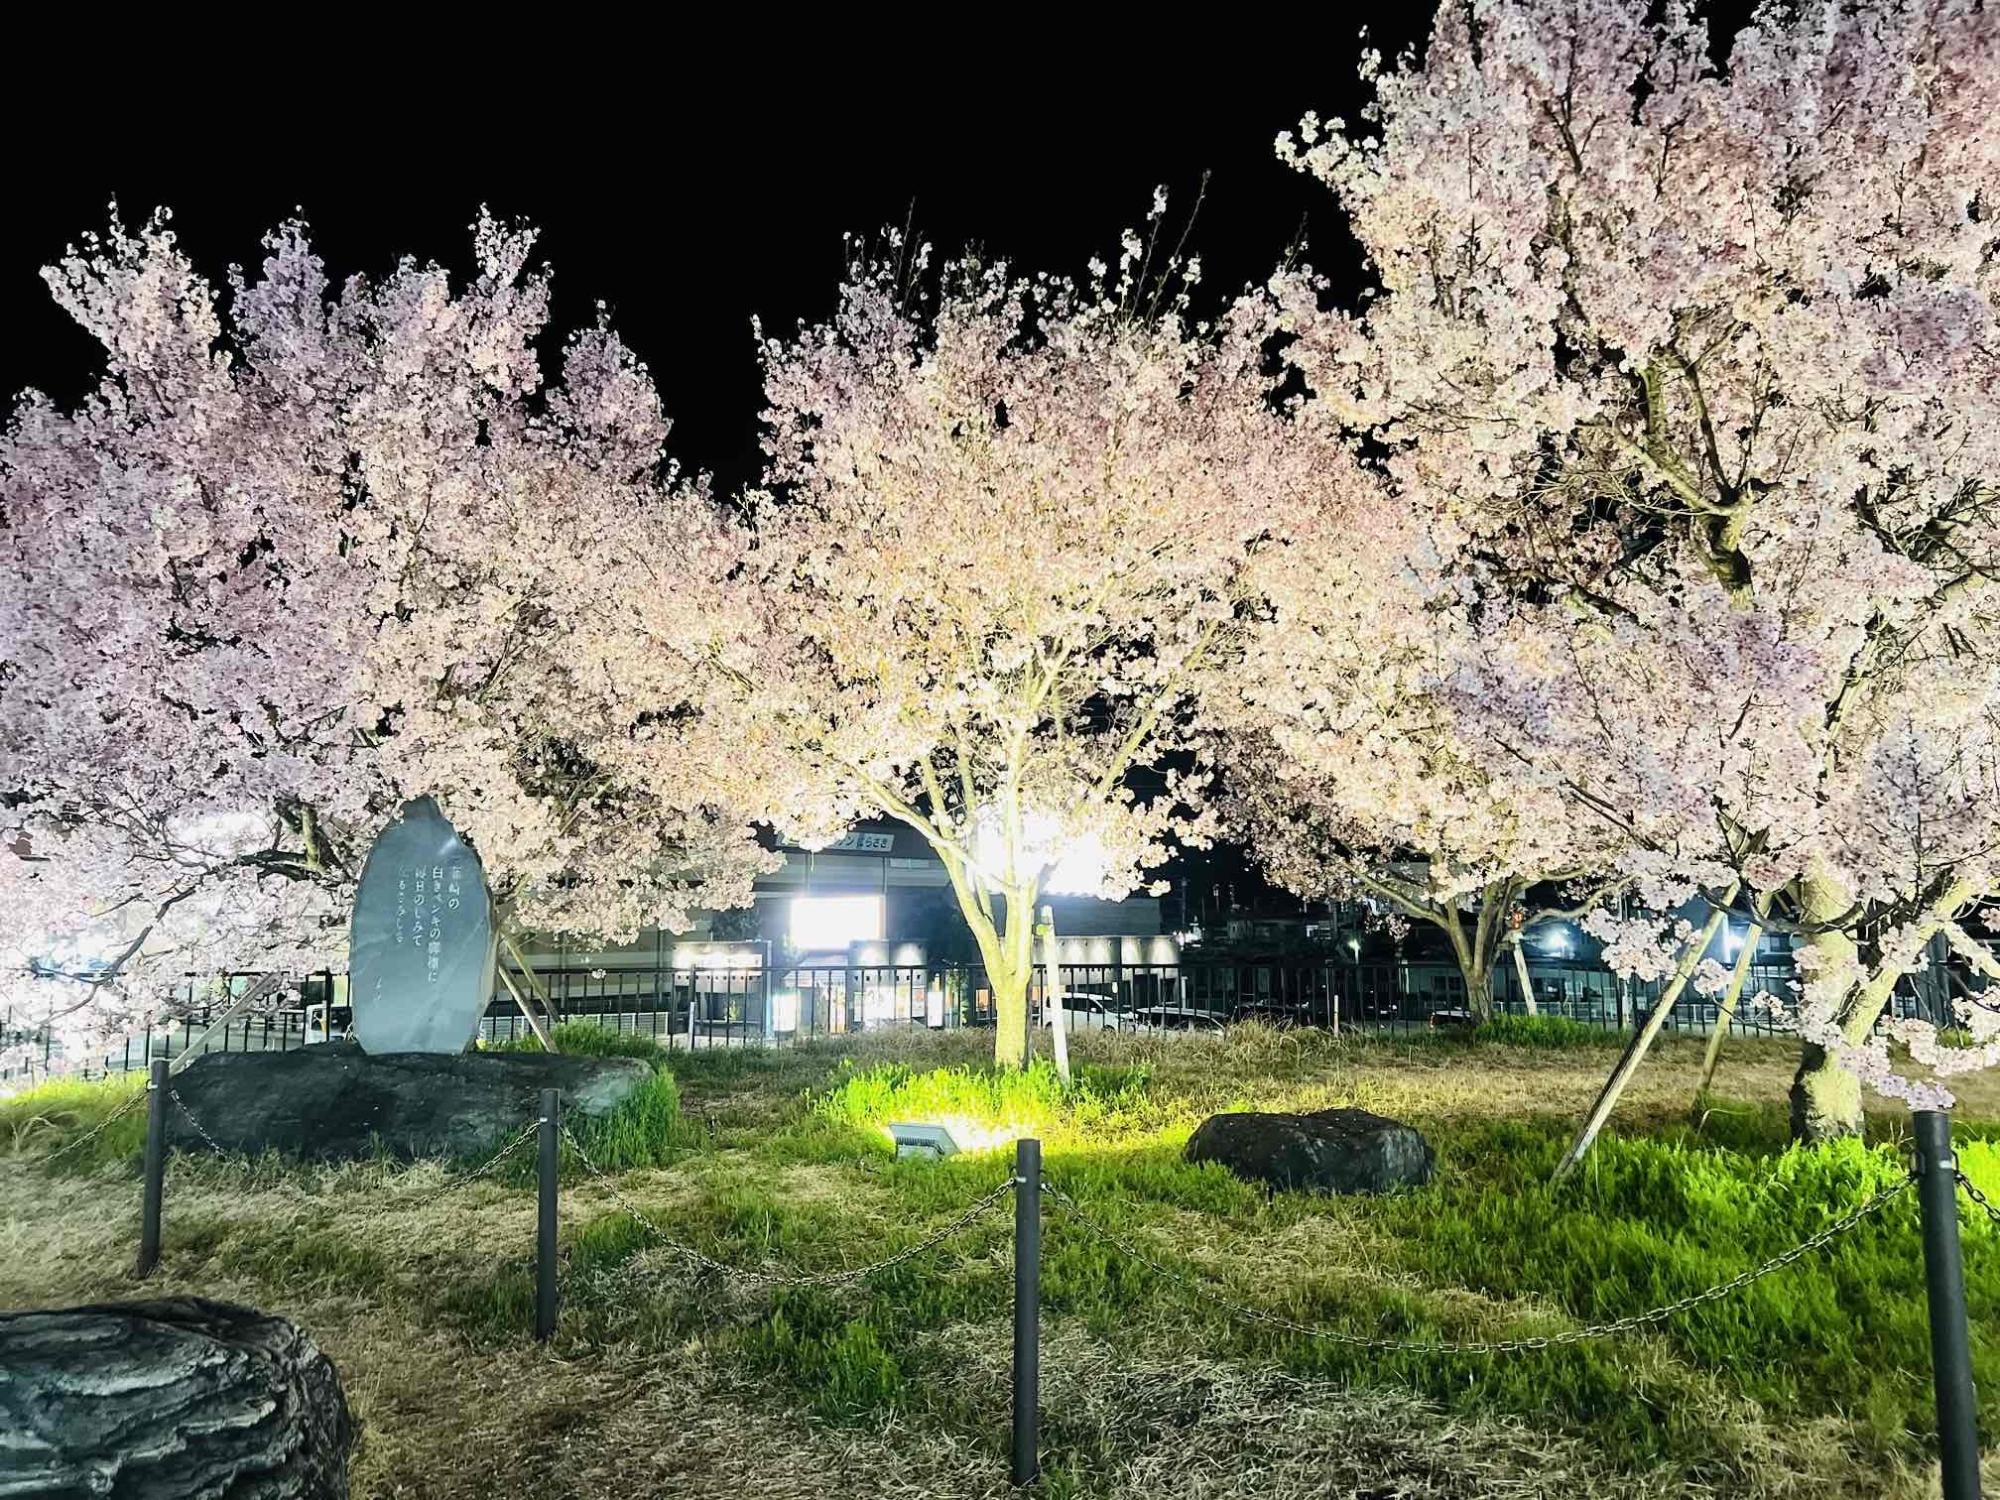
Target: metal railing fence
(747,1002)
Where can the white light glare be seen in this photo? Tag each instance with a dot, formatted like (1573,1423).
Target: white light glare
(835,921)
(1078,865)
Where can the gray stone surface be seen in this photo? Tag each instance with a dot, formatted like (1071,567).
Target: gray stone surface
(336,1102)
(168,1400)
(1328,1151)
(420,953)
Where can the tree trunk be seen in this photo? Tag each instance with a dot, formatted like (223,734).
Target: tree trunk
(1826,1096)
(169,1400)
(1006,946)
(1010,1017)
(1636,1049)
(1475,952)
(1010,968)
(1478,992)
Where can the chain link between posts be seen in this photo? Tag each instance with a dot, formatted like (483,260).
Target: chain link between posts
(521,1139)
(1197,1282)
(138,1098)
(1203,1287)
(199,1128)
(972,1214)
(1978,1197)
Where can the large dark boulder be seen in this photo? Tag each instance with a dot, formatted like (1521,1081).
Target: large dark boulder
(168,1400)
(335,1102)
(1328,1151)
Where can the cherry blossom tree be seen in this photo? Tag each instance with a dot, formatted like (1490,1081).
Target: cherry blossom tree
(1695,339)
(1002,552)
(1347,771)
(288,568)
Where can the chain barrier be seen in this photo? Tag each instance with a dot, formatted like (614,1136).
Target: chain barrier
(200,1129)
(1247,1313)
(975,1211)
(138,1098)
(1992,1212)
(526,1135)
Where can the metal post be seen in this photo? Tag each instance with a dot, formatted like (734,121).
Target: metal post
(1027,1465)
(1944,1281)
(545,1221)
(156,1170)
(764,972)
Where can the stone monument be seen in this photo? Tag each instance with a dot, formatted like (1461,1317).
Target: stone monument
(423,944)
(420,975)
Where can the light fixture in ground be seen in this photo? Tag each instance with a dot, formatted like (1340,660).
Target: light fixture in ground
(931,1141)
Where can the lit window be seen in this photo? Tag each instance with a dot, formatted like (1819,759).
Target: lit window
(835,921)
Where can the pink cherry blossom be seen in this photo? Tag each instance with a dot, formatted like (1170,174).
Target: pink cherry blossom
(289,567)
(1700,363)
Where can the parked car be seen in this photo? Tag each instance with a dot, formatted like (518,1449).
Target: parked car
(1174,1018)
(1275,1012)
(1453,1019)
(1083,1011)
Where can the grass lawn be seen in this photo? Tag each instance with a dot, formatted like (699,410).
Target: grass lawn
(665,1380)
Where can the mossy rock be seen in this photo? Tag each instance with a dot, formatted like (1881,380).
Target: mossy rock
(1327,1151)
(334,1102)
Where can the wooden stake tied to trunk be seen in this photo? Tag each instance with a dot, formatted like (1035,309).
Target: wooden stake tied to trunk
(1641,1043)
(1052,970)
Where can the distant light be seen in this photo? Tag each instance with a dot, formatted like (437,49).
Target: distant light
(1732,942)
(835,921)
(1077,866)
(1557,943)
(932,1142)
(1354,946)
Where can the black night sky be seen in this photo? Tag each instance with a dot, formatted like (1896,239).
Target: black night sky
(691,200)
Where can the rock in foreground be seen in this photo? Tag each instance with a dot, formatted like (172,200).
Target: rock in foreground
(168,1400)
(1328,1151)
(335,1102)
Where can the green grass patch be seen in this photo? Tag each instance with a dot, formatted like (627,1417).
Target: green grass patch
(644,1129)
(809,1339)
(984,1104)
(1509,1030)
(587,1039)
(1491,1250)
(51,1117)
